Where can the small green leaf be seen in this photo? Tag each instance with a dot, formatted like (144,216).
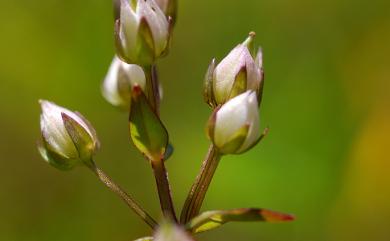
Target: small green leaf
(214,219)
(145,239)
(146,129)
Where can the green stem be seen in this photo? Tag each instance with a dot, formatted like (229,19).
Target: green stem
(164,190)
(106,180)
(198,191)
(152,85)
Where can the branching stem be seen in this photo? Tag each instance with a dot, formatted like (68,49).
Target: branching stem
(164,190)
(106,180)
(198,191)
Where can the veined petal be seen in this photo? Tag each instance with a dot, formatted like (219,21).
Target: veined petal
(227,70)
(129,23)
(54,131)
(254,75)
(110,84)
(254,120)
(157,22)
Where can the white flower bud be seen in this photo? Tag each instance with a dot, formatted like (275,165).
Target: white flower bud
(142,32)
(68,138)
(234,128)
(120,80)
(235,74)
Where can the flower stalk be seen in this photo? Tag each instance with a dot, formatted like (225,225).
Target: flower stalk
(152,86)
(115,188)
(202,182)
(164,189)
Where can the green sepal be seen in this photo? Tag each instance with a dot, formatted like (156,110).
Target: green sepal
(145,45)
(236,141)
(120,52)
(172,11)
(146,129)
(264,134)
(55,159)
(259,64)
(211,123)
(240,84)
(145,239)
(208,93)
(167,48)
(82,140)
(213,219)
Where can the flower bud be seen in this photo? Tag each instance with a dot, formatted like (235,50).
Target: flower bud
(169,7)
(142,32)
(120,80)
(235,74)
(68,138)
(234,127)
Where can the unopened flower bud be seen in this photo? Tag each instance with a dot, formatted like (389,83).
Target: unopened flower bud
(169,7)
(234,127)
(120,80)
(167,231)
(68,138)
(142,32)
(238,72)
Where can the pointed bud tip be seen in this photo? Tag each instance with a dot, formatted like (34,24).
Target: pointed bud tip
(249,41)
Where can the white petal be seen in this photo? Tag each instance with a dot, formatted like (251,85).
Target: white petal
(233,115)
(157,21)
(163,4)
(129,23)
(254,120)
(53,129)
(110,84)
(135,74)
(119,81)
(226,72)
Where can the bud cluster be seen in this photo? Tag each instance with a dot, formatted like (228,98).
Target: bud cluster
(234,88)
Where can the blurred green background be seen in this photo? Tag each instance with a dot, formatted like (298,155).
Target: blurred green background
(326,100)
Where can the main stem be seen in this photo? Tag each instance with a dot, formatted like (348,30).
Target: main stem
(198,191)
(106,180)
(152,85)
(164,190)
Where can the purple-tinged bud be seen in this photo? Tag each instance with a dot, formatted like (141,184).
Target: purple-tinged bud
(238,72)
(142,32)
